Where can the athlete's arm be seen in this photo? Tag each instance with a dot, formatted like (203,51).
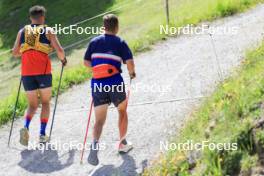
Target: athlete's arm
(16,47)
(87,63)
(57,46)
(127,57)
(88,55)
(131,68)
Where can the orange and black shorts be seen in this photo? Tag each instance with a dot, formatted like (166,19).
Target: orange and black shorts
(37,82)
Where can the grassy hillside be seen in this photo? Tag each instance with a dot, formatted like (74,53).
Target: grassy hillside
(14,15)
(233,114)
(138,17)
(139,22)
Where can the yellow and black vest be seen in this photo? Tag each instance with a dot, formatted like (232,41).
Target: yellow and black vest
(34,38)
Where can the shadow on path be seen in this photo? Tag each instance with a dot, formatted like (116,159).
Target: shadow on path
(127,168)
(44,161)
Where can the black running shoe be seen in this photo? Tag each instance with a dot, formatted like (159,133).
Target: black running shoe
(92,158)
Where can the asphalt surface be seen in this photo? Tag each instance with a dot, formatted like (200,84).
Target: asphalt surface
(179,72)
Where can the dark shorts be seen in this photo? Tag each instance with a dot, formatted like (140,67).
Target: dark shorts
(37,82)
(115,96)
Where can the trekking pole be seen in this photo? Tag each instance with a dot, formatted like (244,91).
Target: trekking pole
(219,70)
(86,133)
(14,113)
(56,101)
(128,91)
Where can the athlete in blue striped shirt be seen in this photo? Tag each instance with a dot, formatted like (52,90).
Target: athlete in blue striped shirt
(104,56)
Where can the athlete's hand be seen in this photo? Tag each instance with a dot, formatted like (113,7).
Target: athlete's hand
(64,61)
(132,75)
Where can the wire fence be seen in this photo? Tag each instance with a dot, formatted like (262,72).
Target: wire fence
(135,27)
(71,43)
(84,38)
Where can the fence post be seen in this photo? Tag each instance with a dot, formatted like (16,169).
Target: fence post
(167,11)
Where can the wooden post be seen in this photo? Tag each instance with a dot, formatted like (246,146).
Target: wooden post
(167,11)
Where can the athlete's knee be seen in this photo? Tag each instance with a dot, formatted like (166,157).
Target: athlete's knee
(99,122)
(122,112)
(45,104)
(122,107)
(32,106)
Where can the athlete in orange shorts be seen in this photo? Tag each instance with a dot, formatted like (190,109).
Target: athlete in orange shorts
(33,44)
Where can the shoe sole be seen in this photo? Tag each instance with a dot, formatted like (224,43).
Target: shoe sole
(41,142)
(92,162)
(93,158)
(24,136)
(123,152)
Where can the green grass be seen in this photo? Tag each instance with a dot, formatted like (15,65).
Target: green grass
(141,29)
(70,77)
(14,15)
(234,106)
(7,107)
(139,20)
